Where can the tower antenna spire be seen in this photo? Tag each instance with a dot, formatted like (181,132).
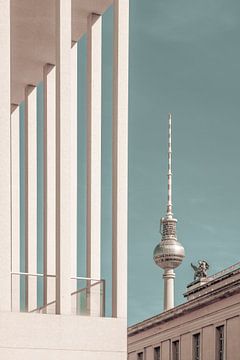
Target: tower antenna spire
(169,204)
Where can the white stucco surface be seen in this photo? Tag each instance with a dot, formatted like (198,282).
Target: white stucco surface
(41,36)
(39,336)
(33,37)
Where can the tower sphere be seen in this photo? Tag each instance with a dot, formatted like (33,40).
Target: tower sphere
(168,254)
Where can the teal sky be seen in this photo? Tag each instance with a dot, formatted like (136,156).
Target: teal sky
(184,59)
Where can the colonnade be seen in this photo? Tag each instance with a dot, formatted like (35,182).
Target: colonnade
(60,164)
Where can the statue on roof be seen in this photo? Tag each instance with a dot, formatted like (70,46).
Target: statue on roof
(200,271)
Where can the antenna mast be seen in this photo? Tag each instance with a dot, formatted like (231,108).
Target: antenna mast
(169,205)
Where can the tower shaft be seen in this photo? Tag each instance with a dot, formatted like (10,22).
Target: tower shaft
(168,277)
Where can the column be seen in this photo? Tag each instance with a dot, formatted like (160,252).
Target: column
(73,176)
(149,353)
(15,183)
(49,85)
(166,350)
(63,156)
(120,159)
(231,341)
(31,196)
(94,73)
(5,179)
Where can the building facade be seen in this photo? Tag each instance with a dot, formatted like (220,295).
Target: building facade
(57,313)
(206,327)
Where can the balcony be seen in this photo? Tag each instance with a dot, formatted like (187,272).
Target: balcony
(36,293)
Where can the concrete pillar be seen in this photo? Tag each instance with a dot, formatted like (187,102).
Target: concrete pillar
(15,183)
(149,353)
(185,348)
(232,343)
(5,179)
(49,81)
(63,156)
(208,345)
(120,159)
(73,177)
(94,71)
(168,277)
(166,350)
(132,356)
(31,196)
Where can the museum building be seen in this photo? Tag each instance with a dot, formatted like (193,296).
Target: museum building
(205,327)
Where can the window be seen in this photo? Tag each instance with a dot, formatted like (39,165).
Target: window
(196,347)
(220,343)
(175,350)
(140,356)
(157,353)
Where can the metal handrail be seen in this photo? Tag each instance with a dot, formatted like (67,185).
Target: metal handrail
(51,275)
(31,274)
(84,278)
(102,281)
(86,287)
(42,307)
(87,279)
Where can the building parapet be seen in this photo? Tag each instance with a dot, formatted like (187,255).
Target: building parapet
(204,285)
(228,282)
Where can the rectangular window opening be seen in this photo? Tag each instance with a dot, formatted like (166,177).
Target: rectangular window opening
(220,343)
(157,353)
(175,350)
(196,347)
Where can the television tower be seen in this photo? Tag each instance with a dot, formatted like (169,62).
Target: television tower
(169,253)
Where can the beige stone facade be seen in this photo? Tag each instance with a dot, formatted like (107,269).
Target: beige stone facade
(206,327)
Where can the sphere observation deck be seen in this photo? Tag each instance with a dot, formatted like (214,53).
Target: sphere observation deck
(169,253)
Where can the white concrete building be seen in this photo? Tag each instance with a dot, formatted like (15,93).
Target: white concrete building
(38,43)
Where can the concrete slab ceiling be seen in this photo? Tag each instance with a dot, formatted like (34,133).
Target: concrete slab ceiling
(33,37)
